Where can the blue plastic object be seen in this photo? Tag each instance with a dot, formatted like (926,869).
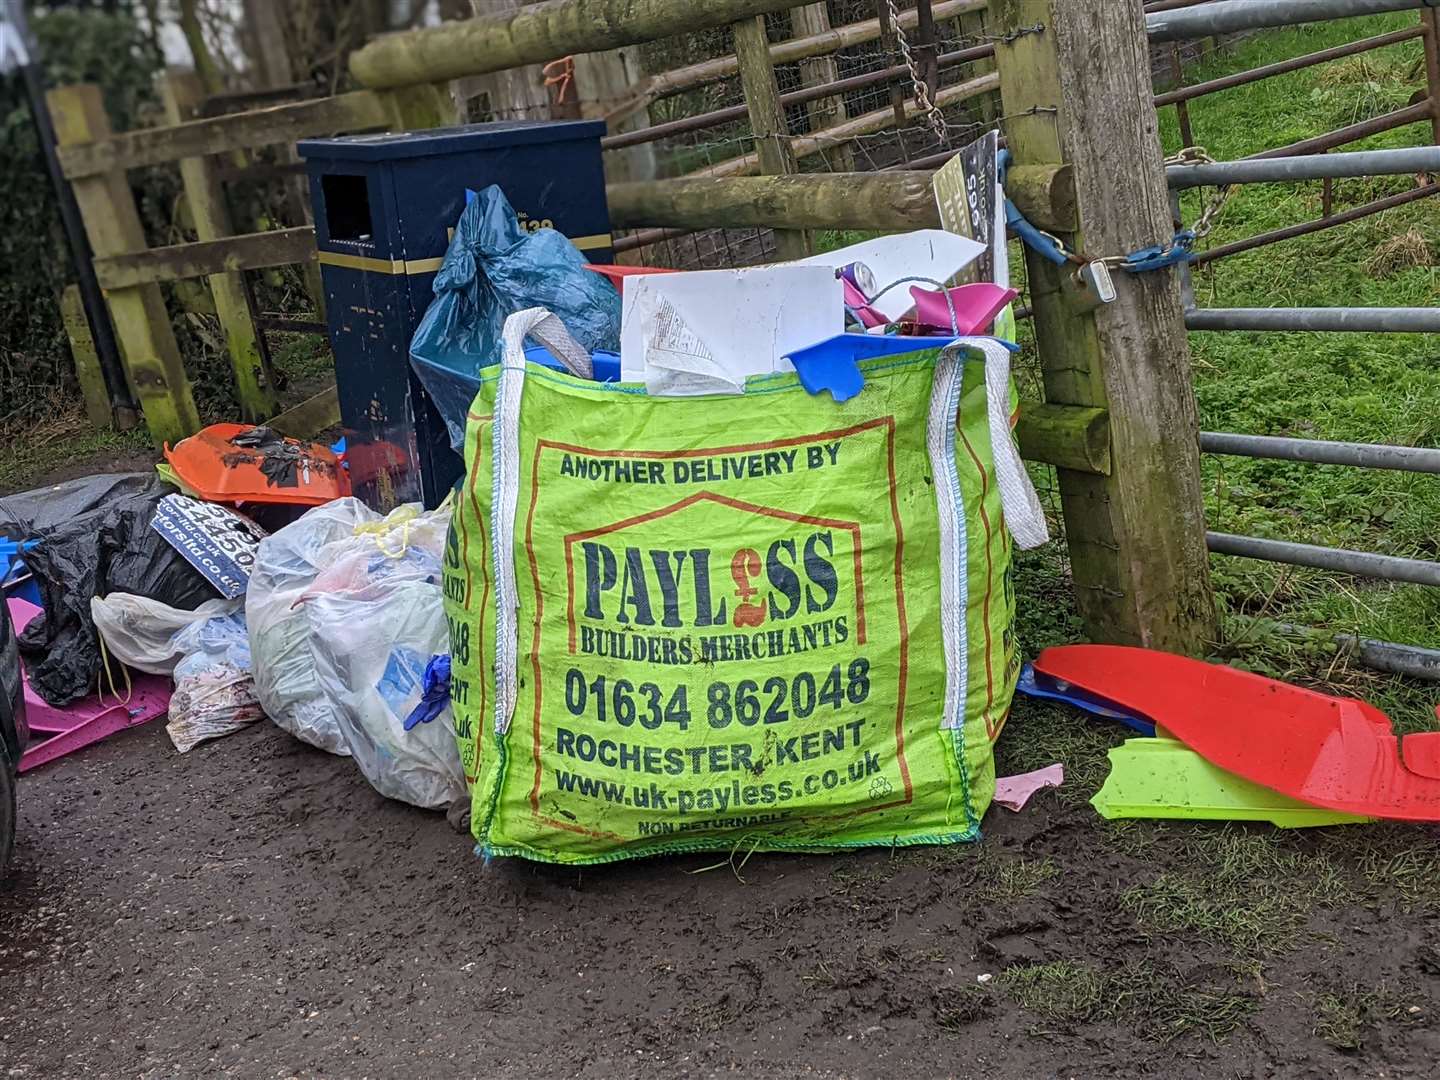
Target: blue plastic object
(1159,256)
(1033,684)
(494,268)
(1155,257)
(607,363)
(15,579)
(434,690)
(834,364)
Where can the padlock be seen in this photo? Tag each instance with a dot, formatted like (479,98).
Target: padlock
(1089,287)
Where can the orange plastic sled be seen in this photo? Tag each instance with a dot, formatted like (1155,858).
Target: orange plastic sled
(241,463)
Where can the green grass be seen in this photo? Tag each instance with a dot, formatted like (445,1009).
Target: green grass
(304,356)
(1346,1016)
(44,448)
(1142,995)
(1005,879)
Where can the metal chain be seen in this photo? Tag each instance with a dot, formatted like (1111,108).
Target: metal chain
(933,116)
(1197,155)
(1160,254)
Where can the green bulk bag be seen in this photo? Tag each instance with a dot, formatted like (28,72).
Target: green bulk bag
(766,621)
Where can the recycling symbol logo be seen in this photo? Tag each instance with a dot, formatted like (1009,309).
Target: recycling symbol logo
(880,787)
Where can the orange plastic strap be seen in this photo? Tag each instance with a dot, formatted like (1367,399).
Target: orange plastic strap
(560,73)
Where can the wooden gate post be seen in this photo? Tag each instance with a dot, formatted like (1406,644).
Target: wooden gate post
(183,92)
(767,120)
(142,325)
(87,361)
(1075,86)
(1430,28)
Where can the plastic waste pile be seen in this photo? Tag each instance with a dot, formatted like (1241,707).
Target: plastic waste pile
(729,566)
(345,616)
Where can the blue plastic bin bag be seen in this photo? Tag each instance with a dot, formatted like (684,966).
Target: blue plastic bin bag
(494,268)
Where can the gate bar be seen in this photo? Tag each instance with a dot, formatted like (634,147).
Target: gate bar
(1232,16)
(1376,320)
(1242,78)
(1415,159)
(1289,232)
(1392,657)
(1416,661)
(1417,459)
(1342,560)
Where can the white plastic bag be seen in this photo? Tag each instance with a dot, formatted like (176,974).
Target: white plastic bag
(345,612)
(141,633)
(214,692)
(373,647)
(287,563)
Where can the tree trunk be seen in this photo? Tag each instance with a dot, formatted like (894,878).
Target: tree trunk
(271,57)
(199,51)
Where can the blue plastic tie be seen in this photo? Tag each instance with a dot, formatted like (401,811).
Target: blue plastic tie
(1156,257)
(1160,256)
(1037,240)
(434,690)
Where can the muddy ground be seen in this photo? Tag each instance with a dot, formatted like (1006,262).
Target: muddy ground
(254,909)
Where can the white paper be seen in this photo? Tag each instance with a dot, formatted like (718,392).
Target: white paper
(704,331)
(926,253)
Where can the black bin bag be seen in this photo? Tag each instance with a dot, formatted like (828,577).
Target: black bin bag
(106,548)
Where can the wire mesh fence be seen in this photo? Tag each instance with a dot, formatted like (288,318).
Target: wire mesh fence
(877,125)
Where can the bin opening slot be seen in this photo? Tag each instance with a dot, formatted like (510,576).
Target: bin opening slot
(347,207)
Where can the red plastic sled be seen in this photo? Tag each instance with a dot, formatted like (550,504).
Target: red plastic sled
(1334,752)
(616,274)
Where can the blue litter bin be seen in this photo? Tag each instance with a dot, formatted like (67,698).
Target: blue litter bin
(384,208)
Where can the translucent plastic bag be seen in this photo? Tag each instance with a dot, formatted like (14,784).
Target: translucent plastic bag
(333,594)
(494,268)
(287,563)
(372,647)
(214,691)
(145,634)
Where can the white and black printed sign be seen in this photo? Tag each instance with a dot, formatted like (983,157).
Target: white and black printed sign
(217,541)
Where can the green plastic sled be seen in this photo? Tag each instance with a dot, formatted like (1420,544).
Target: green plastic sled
(1163,778)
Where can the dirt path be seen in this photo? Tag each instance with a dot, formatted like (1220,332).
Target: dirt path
(253,909)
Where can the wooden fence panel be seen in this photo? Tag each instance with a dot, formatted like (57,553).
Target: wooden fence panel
(142,325)
(183,93)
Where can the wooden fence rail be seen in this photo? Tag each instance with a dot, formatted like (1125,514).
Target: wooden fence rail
(253,251)
(361,110)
